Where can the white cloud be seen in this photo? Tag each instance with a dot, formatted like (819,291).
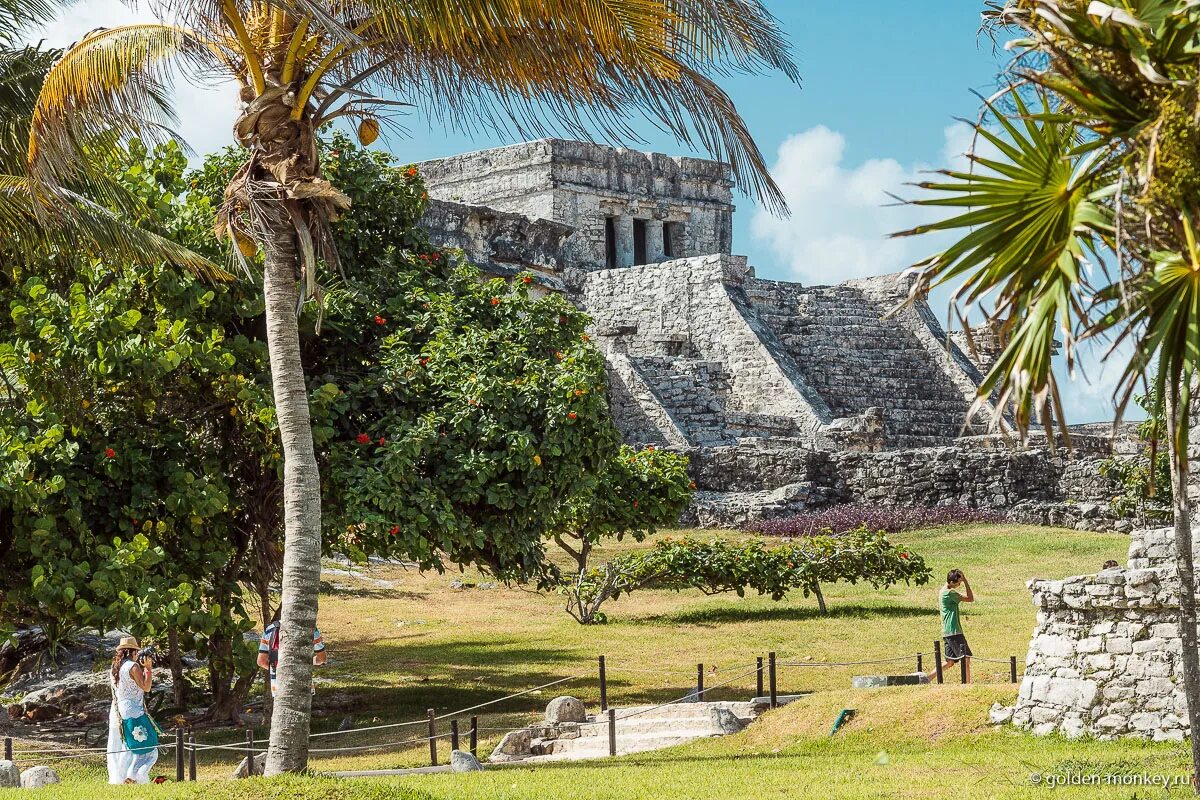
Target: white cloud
(843,215)
(206,113)
(842,218)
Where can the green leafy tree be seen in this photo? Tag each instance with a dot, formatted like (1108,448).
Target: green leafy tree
(718,566)
(526,64)
(634,493)
(453,418)
(1083,224)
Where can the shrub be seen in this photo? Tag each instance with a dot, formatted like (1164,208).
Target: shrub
(632,495)
(888,519)
(719,565)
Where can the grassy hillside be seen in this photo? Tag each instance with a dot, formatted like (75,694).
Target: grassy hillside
(401,642)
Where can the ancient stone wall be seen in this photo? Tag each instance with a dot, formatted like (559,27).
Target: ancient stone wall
(682,206)
(1105,655)
(1040,487)
(498,242)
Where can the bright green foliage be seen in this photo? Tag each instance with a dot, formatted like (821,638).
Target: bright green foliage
(454,418)
(1105,163)
(635,493)
(718,565)
(1145,477)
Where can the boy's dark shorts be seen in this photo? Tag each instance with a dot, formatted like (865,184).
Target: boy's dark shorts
(956,647)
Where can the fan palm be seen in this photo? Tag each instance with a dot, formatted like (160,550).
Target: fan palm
(81,214)
(1083,226)
(522,65)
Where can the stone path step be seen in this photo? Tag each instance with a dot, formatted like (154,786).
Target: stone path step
(638,729)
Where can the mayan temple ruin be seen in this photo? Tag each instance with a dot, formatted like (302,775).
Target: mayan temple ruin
(789,397)
(786,397)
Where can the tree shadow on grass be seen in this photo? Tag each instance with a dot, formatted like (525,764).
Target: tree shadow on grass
(725,614)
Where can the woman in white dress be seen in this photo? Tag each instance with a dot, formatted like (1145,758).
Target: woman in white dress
(130,682)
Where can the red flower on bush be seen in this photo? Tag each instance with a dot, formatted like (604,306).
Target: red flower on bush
(380,320)
(382,441)
(363,438)
(495,301)
(572,415)
(527,279)
(635,503)
(424,361)
(110,453)
(904,556)
(395,530)
(411,172)
(558,355)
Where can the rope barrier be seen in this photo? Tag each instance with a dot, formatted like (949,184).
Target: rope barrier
(908,657)
(372,728)
(90,754)
(70,752)
(462,711)
(411,740)
(694,693)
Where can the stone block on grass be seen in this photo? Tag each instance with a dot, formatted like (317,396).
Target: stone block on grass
(876,681)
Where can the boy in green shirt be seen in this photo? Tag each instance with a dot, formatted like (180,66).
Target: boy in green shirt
(953,640)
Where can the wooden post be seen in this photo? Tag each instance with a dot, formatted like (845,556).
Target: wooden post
(192,756)
(920,667)
(962,668)
(603,686)
(700,682)
(453,734)
(432,737)
(771,678)
(937,657)
(8,748)
(612,731)
(758,687)
(249,752)
(474,736)
(179,754)
(1012,668)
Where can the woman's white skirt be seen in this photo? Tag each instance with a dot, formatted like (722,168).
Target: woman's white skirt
(123,764)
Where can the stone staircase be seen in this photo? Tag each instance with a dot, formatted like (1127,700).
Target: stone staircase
(638,728)
(695,393)
(856,360)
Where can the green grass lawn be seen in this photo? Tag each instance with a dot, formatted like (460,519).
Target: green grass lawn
(394,652)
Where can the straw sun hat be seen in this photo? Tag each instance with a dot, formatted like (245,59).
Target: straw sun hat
(128,642)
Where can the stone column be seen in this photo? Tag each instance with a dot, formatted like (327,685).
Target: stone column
(624,225)
(654,241)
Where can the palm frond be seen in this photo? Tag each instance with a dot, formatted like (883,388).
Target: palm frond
(111,86)
(71,223)
(538,67)
(1034,218)
(17,16)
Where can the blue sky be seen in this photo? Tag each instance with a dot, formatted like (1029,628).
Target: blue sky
(883,84)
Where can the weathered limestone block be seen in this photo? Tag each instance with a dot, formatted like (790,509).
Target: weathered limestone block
(514,746)
(565,709)
(38,778)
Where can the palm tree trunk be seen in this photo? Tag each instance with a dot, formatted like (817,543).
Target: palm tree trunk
(288,747)
(1177,434)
